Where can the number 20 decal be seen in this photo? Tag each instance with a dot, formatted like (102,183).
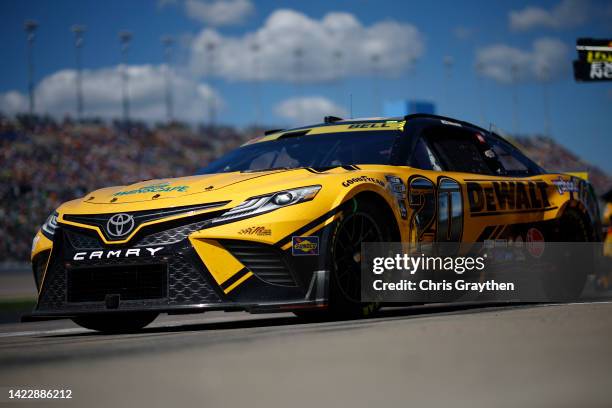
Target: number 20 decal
(427,201)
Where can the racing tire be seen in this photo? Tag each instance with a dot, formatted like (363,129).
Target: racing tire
(566,282)
(116,323)
(362,221)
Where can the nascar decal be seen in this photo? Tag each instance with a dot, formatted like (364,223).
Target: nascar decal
(154,188)
(305,246)
(363,179)
(503,197)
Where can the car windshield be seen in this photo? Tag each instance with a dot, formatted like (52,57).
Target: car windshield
(315,151)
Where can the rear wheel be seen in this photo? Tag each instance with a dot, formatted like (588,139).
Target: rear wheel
(116,323)
(573,264)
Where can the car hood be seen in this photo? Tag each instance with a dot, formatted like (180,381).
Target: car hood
(155,190)
(229,188)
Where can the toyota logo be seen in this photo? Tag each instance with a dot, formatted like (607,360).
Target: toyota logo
(120,225)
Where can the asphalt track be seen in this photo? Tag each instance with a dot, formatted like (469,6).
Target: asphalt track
(426,356)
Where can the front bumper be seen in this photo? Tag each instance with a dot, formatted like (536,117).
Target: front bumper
(173,279)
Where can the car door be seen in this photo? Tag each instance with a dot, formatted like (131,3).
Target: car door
(472,189)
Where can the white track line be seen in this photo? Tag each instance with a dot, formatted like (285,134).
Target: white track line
(41,332)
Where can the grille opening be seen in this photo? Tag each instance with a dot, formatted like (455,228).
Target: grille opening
(131,282)
(265,261)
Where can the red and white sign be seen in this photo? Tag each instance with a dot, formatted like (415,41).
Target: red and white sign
(535,242)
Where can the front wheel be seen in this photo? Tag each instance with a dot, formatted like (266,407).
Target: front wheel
(363,221)
(116,323)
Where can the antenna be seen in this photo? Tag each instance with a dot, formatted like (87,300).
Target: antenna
(351,104)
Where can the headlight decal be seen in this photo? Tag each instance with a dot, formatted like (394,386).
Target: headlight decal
(269,202)
(50,225)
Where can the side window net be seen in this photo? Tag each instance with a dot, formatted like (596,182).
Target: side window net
(459,152)
(423,158)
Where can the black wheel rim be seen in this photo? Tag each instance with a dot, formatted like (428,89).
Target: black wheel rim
(356,229)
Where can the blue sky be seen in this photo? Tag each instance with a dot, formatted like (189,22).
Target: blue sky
(413,38)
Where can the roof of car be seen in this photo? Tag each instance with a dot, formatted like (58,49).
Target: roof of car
(336,125)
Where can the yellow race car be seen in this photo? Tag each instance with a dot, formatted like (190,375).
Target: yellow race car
(277,224)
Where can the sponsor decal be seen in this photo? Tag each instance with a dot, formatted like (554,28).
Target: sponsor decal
(369,125)
(397,187)
(305,246)
(490,154)
(119,253)
(499,197)
(259,231)
(154,188)
(120,225)
(564,186)
(535,242)
(363,179)
(594,61)
(447,122)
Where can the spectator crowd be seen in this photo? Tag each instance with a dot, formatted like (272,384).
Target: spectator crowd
(45,162)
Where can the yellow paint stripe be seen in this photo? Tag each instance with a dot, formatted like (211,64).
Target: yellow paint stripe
(392,125)
(44,275)
(238,282)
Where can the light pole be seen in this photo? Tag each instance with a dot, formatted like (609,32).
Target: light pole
(168,43)
(124,39)
(78,31)
(339,74)
(546,100)
(448,62)
(210,48)
(30,27)
(298,53)
(375,85)
(514,69)
(255,47)
(480,92)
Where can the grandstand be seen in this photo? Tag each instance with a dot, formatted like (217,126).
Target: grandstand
(46,162)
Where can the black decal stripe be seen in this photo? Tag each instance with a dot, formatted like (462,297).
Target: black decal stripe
(486,233)
(234,278)
(503,180)
(308,226)
(485,214)
(499,232)
(495,232)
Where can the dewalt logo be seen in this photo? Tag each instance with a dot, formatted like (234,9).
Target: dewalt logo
(507,197)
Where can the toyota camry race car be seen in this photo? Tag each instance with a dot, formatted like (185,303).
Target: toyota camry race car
(277,224)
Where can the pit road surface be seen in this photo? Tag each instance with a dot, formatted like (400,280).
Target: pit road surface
(426,356)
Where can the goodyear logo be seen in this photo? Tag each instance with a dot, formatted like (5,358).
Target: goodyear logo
(363,179)
(305,246)
(504,197)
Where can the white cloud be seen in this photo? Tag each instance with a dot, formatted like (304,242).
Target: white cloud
(55,94)
(463,33)
(310,109)
(219,12)
(566,14)
(547,58)
(166,3)
(13,102)
(270,53)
